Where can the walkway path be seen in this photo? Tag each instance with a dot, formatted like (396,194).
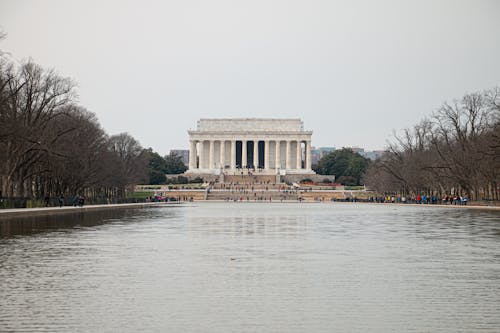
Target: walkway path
(6,213)
(20,212)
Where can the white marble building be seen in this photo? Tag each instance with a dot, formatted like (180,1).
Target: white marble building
(271,146)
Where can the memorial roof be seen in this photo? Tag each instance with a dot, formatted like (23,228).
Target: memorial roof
(250,124)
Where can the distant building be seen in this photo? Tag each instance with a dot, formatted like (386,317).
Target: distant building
(357,150)
(373,155)
(315,156)
(183,154)
(326,150)
(319,153)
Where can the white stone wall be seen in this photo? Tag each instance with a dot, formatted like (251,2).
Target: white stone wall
(250,124)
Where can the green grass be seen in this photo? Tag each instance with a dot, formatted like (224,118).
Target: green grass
(151,187)
(354,188)
(187,186)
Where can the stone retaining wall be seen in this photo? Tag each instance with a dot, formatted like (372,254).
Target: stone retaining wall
(315,178)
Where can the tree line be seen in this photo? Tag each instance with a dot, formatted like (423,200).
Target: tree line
(160,166)
(49,144)
(347,166)
(454,151)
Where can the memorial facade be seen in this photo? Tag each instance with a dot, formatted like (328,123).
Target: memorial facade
(269,146)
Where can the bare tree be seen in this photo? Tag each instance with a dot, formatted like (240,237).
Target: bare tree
(49,144)
(34,99)
(456,150)
(131,160)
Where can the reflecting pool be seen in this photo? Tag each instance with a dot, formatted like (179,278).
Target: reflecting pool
(253,267)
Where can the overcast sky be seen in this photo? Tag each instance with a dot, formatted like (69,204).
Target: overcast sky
(353,71)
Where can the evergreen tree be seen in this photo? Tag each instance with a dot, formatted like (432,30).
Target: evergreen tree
(346,165)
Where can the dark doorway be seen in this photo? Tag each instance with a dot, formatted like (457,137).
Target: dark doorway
(250,160)
(261,154)
(238,154)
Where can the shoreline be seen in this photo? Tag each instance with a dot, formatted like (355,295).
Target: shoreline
(469,206)
(44,211)
(362,203)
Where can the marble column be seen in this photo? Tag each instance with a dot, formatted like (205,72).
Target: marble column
(277,163)
(192,154)
(211,157)
(222,154)
(233,154)
(266,154)
(202,155)
(244,153)
(299,155)
(288,155)
(308,155)
(256,154)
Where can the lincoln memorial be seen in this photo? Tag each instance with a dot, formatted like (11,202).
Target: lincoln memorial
(271,146)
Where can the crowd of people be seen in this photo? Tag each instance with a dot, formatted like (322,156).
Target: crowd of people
(78,200)
(159,197)
(423,199)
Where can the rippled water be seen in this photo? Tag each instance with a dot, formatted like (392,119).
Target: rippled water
(257,267)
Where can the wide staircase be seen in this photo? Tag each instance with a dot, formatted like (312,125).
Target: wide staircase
(250,178)
(251,188)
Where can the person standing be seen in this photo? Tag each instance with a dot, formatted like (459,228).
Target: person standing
(60,199)
(81,200)
(47,200)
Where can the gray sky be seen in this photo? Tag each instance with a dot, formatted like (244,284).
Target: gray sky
(354,71)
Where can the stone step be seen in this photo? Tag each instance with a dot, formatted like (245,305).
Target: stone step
(250,179)
(252,195)
(249,187)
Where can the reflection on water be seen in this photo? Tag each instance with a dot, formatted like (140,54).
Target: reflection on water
(254,267)
(27,225)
